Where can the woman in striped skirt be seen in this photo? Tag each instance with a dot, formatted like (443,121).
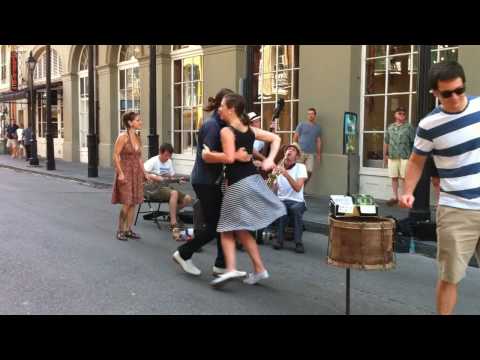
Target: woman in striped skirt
(248,204)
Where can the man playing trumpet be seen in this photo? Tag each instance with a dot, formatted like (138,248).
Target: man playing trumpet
(288,180)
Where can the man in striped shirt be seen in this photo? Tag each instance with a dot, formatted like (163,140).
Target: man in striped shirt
(451,134)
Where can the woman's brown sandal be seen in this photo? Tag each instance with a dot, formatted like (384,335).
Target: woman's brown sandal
(121,236)
(130,234)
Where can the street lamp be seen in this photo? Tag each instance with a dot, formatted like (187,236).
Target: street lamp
(153,136)
(421,207)
(31,63)
(92,140)
(49,135)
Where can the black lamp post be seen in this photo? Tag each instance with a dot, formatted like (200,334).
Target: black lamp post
(92,142)
(31,63)
(153,136)
(425,103)
(49,135)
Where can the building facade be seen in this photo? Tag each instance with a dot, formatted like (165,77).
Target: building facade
(369,80)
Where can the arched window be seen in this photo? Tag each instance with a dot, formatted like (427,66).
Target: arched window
(3,64)
(128,80)
(83,104)
(83,63)
(56,66)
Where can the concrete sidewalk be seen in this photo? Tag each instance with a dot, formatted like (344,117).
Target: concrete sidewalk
(315,218)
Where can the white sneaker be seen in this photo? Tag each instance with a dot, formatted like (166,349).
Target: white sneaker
(186,265)
(253,278)
(217,271)
(226,277)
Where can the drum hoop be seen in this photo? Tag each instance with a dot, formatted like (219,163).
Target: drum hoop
(346,224)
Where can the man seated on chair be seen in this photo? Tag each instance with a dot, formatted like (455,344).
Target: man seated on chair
(160,169)
(289,187)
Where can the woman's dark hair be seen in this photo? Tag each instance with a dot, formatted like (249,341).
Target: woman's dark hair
(129,116)
(449,70)
(214,103)
(238,103)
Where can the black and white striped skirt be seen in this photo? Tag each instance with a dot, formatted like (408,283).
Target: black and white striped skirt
(249,205)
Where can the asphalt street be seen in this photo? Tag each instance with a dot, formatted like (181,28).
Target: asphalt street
(58,255)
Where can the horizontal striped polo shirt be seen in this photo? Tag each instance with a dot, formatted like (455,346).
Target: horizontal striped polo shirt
(453,139)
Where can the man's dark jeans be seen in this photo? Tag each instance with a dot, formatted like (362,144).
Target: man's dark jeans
(210,197)
(295,211)
(28,151)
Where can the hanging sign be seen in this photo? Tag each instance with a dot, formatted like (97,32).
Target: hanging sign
(13,71)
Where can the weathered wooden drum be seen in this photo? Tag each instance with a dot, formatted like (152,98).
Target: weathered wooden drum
(364,243)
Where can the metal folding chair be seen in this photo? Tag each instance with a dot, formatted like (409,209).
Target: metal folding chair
(156,214)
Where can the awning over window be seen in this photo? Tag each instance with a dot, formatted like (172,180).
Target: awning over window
(8,96)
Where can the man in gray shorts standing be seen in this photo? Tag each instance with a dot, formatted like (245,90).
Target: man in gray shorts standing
(308,135)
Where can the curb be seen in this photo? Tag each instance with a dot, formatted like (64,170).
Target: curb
(93,183)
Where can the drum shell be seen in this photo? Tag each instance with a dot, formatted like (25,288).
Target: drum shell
(364,243)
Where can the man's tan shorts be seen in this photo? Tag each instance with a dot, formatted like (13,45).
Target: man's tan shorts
(308,160)
(11,143)
(458,233)
(156,192)
(397,168)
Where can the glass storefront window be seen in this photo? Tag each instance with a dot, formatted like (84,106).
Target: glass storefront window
(187,88)
(56,66)
(57,112)
(275,76)
(389,81)
(128,81)
(3,64)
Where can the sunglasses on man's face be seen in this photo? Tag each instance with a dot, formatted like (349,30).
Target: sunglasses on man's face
(449,93)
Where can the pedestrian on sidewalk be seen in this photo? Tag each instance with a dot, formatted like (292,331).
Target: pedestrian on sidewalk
(397,148)
(309,135)
(450,133)
(20,147)
(12,141)
(27,142)
(206,181)
(129,175)
(248,204)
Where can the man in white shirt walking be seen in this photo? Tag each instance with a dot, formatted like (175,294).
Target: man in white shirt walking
(289,186)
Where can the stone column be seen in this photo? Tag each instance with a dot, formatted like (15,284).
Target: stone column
(144,73)
(164,106)
(71,147)
(108,112)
